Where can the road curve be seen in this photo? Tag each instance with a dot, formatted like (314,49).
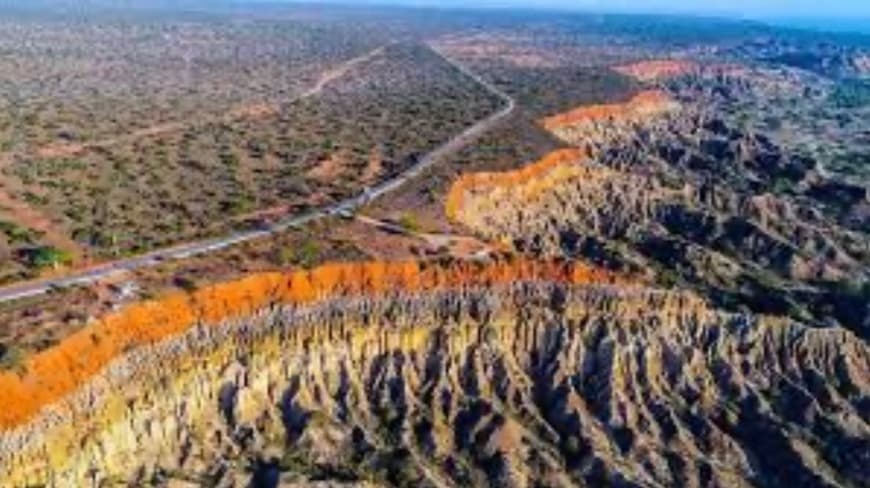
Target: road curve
(182,251)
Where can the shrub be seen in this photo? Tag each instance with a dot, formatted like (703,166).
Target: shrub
(11,357)
(409,223)
(851,94)
(16,233)
(308,253)
(284,256)
(47,256)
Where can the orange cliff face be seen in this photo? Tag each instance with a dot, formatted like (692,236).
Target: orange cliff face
(644,104)
(664,69)
(657,69)
(50,375)
(476,182)
(478,199)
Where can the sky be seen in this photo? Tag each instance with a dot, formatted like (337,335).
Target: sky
(738,8)
(749,9)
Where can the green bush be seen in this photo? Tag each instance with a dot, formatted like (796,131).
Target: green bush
(852,94)
(15,233)
(47,256)
(409,223)
(11,357)
(308,253)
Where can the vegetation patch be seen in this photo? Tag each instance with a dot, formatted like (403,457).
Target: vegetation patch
(853,93)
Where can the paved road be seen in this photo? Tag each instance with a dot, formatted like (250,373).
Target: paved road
(103,271)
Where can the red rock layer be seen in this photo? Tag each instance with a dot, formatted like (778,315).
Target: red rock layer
(54,373)
(657,69)
(477,181)
(644,103)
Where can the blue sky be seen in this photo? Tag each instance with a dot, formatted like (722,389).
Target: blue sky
(752,9)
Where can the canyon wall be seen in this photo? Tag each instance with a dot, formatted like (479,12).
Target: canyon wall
(657,69)
(569,190)
(658,72)
(50,375)
(501,385)
(594,124)
(528,179)
(48,390)
(579,197)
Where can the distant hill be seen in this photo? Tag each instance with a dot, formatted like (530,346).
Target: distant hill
(855,25)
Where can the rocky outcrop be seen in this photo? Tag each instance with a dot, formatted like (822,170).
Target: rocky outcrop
(657,69)
(86,353)
(569,187)
(592,200)
(594,124)
(714,239)
(529,179)
(510,385)
(662,71)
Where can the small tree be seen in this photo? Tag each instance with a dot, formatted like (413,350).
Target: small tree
(284,256)
(47,256)
(308,253)
(11,357)
(409,223)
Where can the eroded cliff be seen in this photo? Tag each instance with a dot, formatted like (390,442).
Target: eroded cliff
(657,69)
(51,374)
(594,124)
(539,381)
(679,183)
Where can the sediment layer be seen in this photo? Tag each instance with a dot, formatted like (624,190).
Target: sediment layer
(504,384)
(568,187)
(591,125)
(50,375)
(657,69)
(593,198)
(528,177)
(644,104)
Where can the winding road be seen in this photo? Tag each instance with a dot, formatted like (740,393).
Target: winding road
(182,251)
